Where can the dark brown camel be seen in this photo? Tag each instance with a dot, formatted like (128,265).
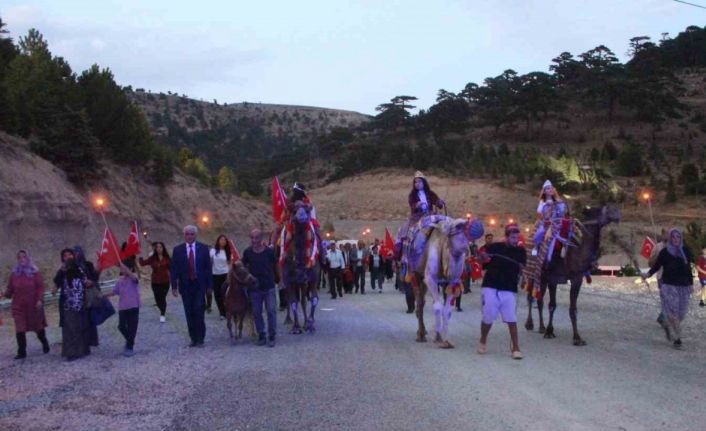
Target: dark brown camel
(580,259)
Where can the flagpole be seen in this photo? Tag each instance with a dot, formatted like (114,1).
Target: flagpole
(100,202)
(648,198)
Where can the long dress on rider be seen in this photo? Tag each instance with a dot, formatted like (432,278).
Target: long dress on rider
(422,203)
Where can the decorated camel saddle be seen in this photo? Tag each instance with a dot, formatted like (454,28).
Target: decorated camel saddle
(560,234)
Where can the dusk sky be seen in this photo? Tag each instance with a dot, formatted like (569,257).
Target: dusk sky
(337,54)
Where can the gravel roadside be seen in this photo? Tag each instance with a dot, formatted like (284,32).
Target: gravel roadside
(363,370)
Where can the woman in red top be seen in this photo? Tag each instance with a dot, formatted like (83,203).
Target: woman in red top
(26,289)
(159,261)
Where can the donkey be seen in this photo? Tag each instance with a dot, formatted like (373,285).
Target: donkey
(238,306)
(436,257)
(579,260)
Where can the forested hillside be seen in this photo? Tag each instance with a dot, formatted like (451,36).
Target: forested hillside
(588,119)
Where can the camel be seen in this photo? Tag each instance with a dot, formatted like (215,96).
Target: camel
(578,261)
(436,257)
(299,256)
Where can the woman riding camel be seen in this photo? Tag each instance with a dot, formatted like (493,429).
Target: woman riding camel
(551,208)
(422,202)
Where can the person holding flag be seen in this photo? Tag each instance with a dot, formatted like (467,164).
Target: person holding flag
(127,288)
(160,262)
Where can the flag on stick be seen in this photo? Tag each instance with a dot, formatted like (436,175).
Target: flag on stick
(234,253)
(108,255)
(133,247)
(388,246)
(279,201)
(647,247)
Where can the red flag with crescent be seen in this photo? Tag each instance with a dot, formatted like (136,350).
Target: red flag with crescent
(476,269)
(647,246)
(389,245)
(279,202)
(108,255)
(133,247)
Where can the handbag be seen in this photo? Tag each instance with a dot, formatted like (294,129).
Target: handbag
(102,312)
(93,297)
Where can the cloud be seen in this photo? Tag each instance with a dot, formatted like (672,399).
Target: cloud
(152,55)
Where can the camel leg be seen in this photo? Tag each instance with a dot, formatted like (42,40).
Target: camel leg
(314,303)
(433,287)
(529,323)
(289,295)
(288,318)
(445,319)
(296,329)
(552,307)
(419,294)
(540,309)
(573,299)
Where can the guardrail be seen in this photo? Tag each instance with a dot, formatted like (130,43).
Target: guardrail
(49,298)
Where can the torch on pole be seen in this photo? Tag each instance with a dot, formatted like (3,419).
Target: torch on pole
(100,205)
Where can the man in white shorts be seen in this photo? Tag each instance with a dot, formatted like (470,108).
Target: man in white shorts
(504,262)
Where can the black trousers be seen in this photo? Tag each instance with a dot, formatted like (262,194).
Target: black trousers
(409,296)
(21,338)
(359,279)
(376,274)
(192,296)
(335,281)
(219,293)
(127,325)
(160,291)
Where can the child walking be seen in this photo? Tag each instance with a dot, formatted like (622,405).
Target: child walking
(128,289)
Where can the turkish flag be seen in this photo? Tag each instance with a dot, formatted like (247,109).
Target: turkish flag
(133,247)
(234,254)
(389,245)
(279,202)
(647,246)
(108,255)
(476,269)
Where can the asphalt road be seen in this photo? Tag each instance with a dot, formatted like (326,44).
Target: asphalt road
(362,370)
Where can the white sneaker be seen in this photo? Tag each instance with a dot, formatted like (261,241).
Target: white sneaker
(534,251)
(162,319)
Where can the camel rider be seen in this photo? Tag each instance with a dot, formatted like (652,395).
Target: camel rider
(423,202)
(550,212)
(299,194)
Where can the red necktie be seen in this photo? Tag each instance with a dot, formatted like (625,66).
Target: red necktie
(192,263)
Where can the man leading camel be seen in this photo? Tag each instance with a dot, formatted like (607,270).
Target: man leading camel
(505,261)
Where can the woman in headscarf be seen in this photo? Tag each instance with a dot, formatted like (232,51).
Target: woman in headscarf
(91,279)
(26,288)
(677,284)
(76,331)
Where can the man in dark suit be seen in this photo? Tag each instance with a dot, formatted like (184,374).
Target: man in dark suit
(191,277)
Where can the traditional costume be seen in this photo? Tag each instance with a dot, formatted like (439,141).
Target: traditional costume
(423,206)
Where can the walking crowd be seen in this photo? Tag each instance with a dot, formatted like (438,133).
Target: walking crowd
(245,287)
